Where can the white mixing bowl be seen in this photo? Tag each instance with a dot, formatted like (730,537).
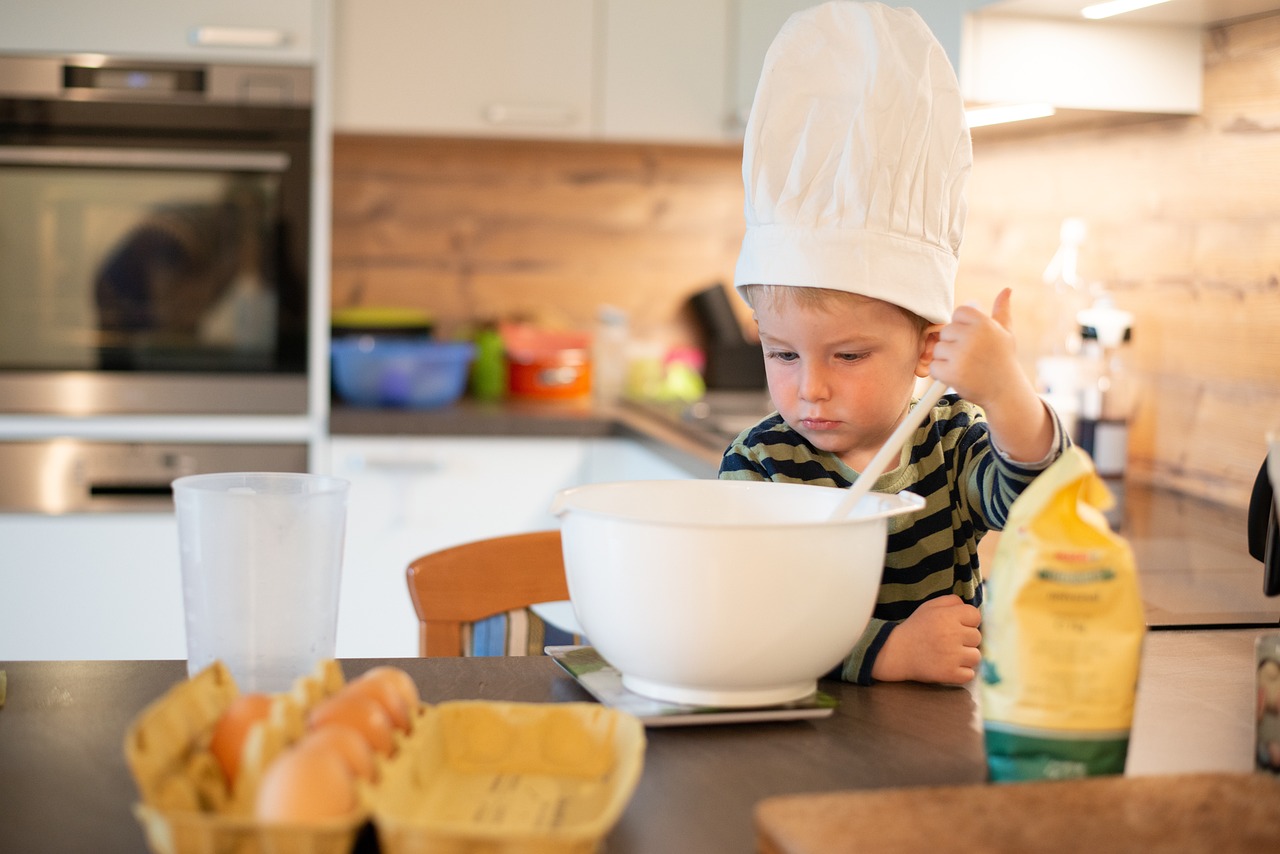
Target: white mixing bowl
(723,593)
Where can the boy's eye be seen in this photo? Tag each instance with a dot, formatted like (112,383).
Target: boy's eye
(850,357)
(782,355)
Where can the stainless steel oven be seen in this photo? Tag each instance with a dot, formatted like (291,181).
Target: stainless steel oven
(155,224)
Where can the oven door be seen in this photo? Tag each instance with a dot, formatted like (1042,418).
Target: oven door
(153,257)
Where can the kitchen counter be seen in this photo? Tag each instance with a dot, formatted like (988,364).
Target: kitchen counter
(658,427)
(1192,553)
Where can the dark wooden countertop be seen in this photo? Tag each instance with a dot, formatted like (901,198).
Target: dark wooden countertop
(64,786)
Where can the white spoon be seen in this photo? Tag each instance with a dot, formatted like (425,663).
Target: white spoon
(889,450)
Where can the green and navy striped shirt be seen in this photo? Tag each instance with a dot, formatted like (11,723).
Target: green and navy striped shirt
(967,484)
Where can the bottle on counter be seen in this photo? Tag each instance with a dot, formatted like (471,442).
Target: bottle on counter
(489,370)
(609,356)
(1107,396)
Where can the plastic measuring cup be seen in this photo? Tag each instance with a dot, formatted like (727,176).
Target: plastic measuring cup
(261,557)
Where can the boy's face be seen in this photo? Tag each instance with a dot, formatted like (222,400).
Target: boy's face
(842,373)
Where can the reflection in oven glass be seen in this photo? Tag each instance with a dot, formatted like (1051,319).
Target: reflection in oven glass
(192,276)
(171,270)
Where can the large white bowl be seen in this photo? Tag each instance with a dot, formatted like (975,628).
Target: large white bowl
(723,593)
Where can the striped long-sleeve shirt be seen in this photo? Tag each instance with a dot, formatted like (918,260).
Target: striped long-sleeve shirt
(967,484)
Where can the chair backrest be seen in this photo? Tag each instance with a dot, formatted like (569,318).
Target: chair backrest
(469,582)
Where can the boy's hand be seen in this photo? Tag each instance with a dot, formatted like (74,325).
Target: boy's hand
(937,643)
(977,356)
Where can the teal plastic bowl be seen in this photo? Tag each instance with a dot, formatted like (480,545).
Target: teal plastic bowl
(410,374)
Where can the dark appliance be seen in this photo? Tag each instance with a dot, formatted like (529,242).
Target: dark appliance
(733,362)
(1264,531)
(155,229)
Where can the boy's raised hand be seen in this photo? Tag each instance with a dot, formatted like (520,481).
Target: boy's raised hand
(937,643)
(976,355)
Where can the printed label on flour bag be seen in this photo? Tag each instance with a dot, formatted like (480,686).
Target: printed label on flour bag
(1062,633)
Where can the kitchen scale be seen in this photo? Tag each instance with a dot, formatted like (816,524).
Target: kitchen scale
(603,682)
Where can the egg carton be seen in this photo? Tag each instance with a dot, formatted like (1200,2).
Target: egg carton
(483,776)
(470,776)
(186,807)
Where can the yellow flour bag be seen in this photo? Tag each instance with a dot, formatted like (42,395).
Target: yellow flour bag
(1062,633)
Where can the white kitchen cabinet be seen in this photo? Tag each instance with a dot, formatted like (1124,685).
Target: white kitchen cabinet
(251,31)
(1082,65)
(109,585)
(686,72)
(475,68)
(614,459)
(413,495)
(90,586)
(623,70)
(755,23)
(664,75)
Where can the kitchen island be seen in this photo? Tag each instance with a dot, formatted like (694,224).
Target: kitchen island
(65,787)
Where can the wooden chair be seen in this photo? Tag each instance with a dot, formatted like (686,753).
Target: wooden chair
(470,582)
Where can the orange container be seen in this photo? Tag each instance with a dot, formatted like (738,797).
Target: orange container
(547,365)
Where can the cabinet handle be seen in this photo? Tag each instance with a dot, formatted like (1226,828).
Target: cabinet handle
(540,115)
(131,490)
(264,37)
(394,465)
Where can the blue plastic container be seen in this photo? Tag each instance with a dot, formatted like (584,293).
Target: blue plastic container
(413,374)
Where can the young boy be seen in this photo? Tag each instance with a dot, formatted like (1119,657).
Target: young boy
(855,161)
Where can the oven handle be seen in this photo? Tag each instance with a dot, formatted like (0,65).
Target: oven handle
(144,158)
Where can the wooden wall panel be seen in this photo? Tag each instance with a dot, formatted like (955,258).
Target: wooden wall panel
(1184,231)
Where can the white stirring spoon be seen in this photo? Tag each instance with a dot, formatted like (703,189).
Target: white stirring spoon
(890,449)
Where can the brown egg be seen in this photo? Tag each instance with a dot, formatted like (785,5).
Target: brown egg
(362,714)
(402,681)
(231,729)
(348,744)
(306,784)
(381,684)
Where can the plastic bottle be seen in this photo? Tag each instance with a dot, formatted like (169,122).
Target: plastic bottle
(489,370)
(609,356)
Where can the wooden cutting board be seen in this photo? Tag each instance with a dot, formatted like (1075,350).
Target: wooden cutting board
(1192,812)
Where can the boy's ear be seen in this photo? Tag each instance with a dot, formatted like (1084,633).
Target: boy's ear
(929,339)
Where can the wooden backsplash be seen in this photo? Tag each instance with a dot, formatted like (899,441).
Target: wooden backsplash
(1183,217)
(474,229)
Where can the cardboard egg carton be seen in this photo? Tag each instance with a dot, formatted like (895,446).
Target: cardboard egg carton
(469,776)
(185,803)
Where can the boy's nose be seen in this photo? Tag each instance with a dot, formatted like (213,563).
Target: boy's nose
(813,383)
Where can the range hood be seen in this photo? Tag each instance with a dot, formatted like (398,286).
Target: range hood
(1137,66)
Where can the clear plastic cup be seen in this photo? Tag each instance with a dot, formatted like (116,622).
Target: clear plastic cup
(261,556)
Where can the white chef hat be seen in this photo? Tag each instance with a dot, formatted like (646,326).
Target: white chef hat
(855,160)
